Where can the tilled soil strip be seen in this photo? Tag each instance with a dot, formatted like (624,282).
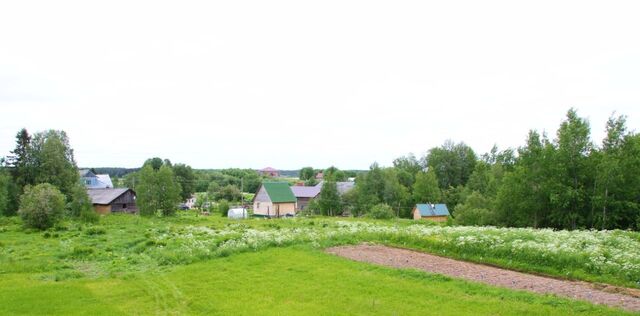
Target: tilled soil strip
(402,258)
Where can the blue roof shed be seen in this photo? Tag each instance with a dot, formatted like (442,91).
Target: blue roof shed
(431,210)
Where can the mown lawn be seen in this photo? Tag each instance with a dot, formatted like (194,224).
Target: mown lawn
(296,280)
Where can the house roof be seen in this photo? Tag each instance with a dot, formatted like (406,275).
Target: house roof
(105,179)
(343,186)
(433,209)
(105,196)
(86,173)
(268,169)
(305,192)
(279,192)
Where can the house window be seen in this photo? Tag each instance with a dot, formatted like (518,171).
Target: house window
(87,181)
(124,206)
(258,205)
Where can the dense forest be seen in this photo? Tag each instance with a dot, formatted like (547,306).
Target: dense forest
(565,182)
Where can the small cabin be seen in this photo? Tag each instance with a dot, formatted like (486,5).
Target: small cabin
(431,212)
(107,200)
(274,199)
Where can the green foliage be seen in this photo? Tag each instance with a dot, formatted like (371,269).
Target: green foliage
(229,192)
(155,163)
(407,167)
(46,157)
(212,190)
(452,163)
(5,192)
(475,211)
(80,203)
(185,176)
(223,208)
(89,216)
(21,160)
(329,201)
(569,196)
(334,174)
(54,162)
(395,194)
(425,188)
(95,230)
(158,192)
(41,206)
(313,208)
(307,173)
(248,179)
(311,182)
(381,211)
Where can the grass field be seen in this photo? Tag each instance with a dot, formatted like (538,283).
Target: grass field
(210,265)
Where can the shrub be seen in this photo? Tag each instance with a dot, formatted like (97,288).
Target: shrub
(223,207)
(381,211)
(41,206)
(80,202)
(89,216)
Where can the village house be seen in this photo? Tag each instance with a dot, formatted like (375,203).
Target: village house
(274,199)
(270,172)
(110,200)
(95,181)
(431,212)
(304,195)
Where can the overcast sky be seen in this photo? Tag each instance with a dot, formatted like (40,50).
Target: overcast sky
(294,83)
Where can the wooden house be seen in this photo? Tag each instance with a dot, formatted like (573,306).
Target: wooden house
(304,195)
(110,200)
(431,212)
(274,199)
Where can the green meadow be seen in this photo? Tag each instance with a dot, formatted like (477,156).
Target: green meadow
(190,265)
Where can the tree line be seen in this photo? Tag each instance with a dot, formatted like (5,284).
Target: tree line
(567,182)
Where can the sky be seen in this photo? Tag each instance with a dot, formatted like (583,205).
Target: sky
(288,84)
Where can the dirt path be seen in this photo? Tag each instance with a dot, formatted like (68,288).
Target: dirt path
(402,258)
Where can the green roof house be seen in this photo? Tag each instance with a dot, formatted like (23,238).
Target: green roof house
(274,199)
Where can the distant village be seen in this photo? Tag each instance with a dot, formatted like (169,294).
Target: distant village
(273,199)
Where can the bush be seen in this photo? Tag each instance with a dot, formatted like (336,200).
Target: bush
(474,211)
(89,216)
(223,207)
(41,206)
(381,211)
(80,202)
